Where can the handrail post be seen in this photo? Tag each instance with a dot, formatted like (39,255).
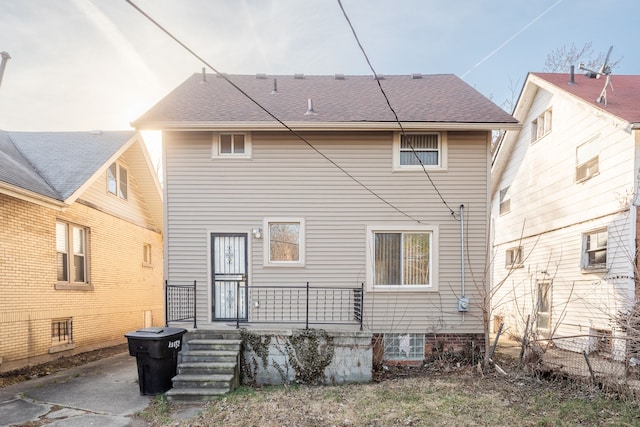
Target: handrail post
(195,324)
(307,319)
(361,304)
(237,304)
(166,303)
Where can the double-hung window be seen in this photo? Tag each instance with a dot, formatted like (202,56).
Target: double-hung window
(117,180)
(284,241)
(541,125)
(231,145)
(71,253)
(588,159)
(594,253)
(505,201)
(413,151)
(513,257)
(402,259)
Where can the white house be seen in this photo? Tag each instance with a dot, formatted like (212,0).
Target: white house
(564,209)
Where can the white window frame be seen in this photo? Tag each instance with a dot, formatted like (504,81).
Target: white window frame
(267,241)
(586,266)
(589,167)
(117,179)
(69,251)
(216,150)
(505,201)
(442,151)
(549,302)
(433,253)
(541,125)
(513,257)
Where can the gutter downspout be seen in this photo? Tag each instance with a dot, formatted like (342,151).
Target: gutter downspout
(463,301)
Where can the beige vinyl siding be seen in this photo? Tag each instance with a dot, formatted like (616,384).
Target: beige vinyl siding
(286,178)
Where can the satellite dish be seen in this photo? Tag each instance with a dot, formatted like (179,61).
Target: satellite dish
(604,70)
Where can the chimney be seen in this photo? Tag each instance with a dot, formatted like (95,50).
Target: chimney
(3,64)
(572,76)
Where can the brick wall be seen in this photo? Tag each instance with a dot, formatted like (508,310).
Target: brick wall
(121,290)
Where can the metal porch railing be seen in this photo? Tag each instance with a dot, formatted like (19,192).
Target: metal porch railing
(304,305)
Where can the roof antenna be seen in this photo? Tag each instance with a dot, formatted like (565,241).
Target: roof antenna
(3,64)
(310,111)
(605,70)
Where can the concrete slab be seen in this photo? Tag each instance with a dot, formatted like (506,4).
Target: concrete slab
(20,411)
(65,413)
(110,387)
(93,421)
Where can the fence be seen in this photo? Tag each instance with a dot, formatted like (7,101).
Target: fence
(180,303)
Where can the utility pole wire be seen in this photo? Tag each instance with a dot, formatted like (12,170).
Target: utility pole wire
(403,133)
(293,132)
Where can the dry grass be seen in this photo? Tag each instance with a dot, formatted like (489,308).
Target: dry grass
(419,398)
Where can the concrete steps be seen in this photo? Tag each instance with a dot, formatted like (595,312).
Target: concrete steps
(208,367)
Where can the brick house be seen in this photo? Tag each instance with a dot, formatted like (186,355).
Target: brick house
(80,243)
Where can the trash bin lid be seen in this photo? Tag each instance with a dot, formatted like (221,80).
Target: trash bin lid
(155,333)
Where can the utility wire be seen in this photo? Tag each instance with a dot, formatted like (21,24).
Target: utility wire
(402,131)
(188,49)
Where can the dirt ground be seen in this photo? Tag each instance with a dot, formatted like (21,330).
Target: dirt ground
(36,371)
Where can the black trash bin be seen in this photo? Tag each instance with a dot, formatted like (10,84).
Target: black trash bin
(156,351)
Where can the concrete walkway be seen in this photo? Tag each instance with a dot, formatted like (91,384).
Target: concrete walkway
(101,393)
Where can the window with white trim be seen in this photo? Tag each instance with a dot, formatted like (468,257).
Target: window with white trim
(541,126)
(71,253)
(118,180)
(505,201)
(146,254)
(588,159)
(543,306)
(284,241)
(513,257)
(231,145)
(594,250)
(413,151)
(401,258)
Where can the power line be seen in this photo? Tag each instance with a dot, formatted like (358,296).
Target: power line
(293,132)
(403,133)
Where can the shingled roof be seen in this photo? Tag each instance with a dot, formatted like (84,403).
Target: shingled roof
(56,164)
(442,98)
(623,97)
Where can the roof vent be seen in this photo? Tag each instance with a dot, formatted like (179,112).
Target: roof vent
(416,76)
(339,77)
(298,76)
(378,77)
(572,78)
(275,86)
(310,111)
(96,132)
(261,76)
(204,76)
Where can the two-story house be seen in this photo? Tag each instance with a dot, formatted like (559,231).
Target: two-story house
(565,197)
(311,180)
(80,243)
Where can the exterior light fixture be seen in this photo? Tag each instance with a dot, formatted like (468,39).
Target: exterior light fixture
(257,232)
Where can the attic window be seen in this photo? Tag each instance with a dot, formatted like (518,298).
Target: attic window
(117,180)
(541,126)
(231,145)
(505,201)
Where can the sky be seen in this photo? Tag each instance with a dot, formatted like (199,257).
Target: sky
(99,64)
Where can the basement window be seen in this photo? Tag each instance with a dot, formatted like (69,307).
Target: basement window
(404,346)
(61,335)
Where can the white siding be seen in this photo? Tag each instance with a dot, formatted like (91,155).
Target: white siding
(550,212)
(286,178)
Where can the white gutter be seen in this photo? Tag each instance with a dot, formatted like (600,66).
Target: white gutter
(325,126)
